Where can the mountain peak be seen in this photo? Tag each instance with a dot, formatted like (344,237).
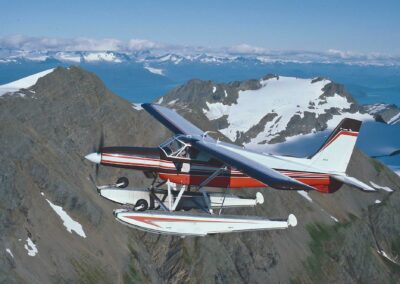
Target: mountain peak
(45,138)
(267,110)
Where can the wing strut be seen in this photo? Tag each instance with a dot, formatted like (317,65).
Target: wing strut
(245,161)
(178,198)
(205,182)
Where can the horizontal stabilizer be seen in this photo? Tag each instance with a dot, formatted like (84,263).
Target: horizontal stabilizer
(353,182)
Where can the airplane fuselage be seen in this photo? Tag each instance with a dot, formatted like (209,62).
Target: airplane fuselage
(194,168)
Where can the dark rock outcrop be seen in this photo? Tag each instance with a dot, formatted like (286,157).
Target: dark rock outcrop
(386,113)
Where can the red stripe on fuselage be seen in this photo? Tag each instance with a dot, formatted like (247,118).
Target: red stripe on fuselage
(232,179)
(320,183)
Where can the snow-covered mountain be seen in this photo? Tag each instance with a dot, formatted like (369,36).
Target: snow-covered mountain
(146,74)
(262,113)
(286,115)
(7,56)
(55,227)
(146,57)
(268,110)
(388,113)
(23,83)
(185,56)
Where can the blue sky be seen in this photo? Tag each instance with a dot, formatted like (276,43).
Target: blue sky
(357,26)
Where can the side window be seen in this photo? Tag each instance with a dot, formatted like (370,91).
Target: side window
(175,148)
(199,156)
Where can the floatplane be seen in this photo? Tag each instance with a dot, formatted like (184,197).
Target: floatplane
(186,166)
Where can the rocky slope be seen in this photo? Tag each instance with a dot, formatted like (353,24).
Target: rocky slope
(386,113)
(44,134)
(268,110)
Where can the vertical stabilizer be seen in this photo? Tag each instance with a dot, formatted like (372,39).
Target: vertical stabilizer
(334,155)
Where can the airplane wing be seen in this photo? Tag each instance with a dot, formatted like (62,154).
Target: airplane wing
(229,154)
(172,120)
(246,162)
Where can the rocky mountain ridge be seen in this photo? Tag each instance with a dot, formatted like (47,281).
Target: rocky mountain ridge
(342,237)
(387,113)
(189,55)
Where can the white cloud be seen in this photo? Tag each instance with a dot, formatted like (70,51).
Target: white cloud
(143,44)
(340,53)
(245,48)
(89,44)
(76,44)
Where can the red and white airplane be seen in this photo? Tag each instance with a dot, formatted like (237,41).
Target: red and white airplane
(192,158)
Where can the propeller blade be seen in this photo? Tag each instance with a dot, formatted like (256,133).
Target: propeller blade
(101,142)
(92,179)
(98,150)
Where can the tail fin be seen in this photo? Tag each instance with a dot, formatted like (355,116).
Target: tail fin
(334,154)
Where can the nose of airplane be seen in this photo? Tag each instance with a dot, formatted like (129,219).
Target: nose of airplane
(94,157)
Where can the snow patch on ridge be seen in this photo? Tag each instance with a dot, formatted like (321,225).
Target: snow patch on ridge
(173,102)
(156,71)
(384,254)
(334,218)
(394,119)
(9,252)
(68,222)
(285,96)
(23,83)
(137,106)
(375,108)
(31,247)
(216,110)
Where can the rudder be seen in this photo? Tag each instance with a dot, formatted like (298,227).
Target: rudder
(334,155)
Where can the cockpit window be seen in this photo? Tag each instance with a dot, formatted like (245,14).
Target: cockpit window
(175,148)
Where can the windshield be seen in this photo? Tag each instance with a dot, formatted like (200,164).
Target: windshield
(175,148)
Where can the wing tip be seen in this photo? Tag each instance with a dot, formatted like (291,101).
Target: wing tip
(146,106)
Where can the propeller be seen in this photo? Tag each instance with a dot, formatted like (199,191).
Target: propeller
(99,150)
(93,181)
(95,156)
